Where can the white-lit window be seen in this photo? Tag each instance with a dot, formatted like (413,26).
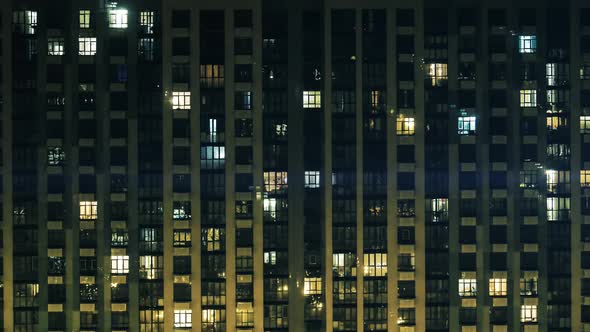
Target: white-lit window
(558,208)
(527,44)
(528,313)
(557,181)
(528,98)
(146,22)
(25,21)
(55,46)
(183,318)
(467,287)
(181,210)
(312,99)
(181,100)
(270,257)
(312,179)
(88,210)
(212,157)
(280,130)
(344,265)
(375,264)
(312,286)
(585,124)
(275,181)
(84,19)
(118,18)
(87,45)
(55,156)
(212,130)
(437,73)
(270,208)
(466,125)
(438,209)
(405,126)
(585,178)
(498,287)
(119,264)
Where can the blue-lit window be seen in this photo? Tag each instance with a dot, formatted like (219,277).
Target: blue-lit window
(527,44)
(466,125)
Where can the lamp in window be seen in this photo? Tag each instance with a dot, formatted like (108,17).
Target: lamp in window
(88,210)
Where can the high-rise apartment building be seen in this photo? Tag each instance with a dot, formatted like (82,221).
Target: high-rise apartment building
(272,165)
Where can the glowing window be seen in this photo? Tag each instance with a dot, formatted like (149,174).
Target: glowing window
(405,126)
(212,316)
(25,21)
(466,125)
(146,22)
(375,264)
(585,178)
(119,264)
(88,210)
(528,98)
(527,44)
(212,76)
(558,208)
(181,100)
(84,19)
(437,73)
(55,46)
(213,239)
(87,45)
(312,99)
(183,318)
(312,286)
(181,210)
(312,179)
(275,181)
(151,267)
(528,313)
(498,287)
(244,314)
(467,287)
(118,18)
(270,257)
(585,124)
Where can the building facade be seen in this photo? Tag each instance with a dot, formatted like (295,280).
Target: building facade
(265,165)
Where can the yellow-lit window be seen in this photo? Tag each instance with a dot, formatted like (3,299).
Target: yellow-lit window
(437,73)
(498,287)
(555,122)
(213,239)
(312,286)
(181,100)
(375,264)
(377,101)
(212,76)
(146,21)
(275,181)
(210,317)
(119,264)
(585,178)
(585,124)
(467,287)
(151,267)
(183,318)
(405,126)
(87,45)
(118,18)
(528,98)
(244,314)
(88,210)
(528,313)
(84,19)
(312,99)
